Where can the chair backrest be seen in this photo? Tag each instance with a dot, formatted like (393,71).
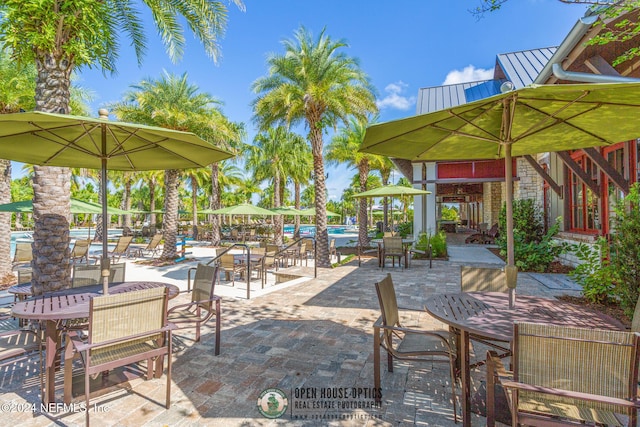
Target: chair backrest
(80,248)
(392,245)
(234,232)
(204,284)
(482,279)
(125,314)
(24,275)
(24,252)
(85,275)
(123,244)
(155,241)
(117,272)
(272,249)
(599,362)
(258,251)
(387,300)
(227,261)
(493,231)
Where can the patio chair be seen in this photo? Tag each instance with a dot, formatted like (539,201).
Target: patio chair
(23,254)
(484,279)
(230,268)
(392,247)
(200,309)
(568,376)
(86,275)
(405,343)
(80,251)
(141,333)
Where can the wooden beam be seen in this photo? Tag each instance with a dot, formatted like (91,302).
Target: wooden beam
(608,170)
(576,169)
(535,165)
(598,65)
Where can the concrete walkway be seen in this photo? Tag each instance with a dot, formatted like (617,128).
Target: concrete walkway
(312,340)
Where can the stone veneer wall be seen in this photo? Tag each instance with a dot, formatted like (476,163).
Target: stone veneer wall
(491,202)
(530,185)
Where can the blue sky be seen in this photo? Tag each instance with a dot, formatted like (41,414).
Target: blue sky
(402,45)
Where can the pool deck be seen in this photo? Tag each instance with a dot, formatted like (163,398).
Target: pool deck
(312,336)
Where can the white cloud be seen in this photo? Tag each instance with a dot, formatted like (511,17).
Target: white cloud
(468,74)
(395,99)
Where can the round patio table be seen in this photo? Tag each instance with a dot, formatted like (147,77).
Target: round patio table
(21,290)
(487,315)
(69,304)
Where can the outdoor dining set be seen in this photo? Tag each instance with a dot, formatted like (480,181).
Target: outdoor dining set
(569,365)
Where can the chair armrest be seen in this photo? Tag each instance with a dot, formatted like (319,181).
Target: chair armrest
(82,346)
(378,325)
(572,394)
(189,304)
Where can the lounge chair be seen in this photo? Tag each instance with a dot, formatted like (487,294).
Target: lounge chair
(153,247)
(200,309)
(80,251)
(121,249)
(142,333)
(404,343)
(568,376)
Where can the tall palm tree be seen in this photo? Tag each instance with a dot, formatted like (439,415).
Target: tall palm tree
(196,178)
(314,84)
(384,166)
(302,161)
(60,39)
(153,180)
(172,102)
(344,149)
(270,159)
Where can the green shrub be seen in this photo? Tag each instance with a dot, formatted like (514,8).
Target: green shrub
(594,273)
(534,250)
(438,244)
(405,229)
(625,249)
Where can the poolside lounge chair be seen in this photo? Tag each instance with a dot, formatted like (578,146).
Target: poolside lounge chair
(23,254)
(121,249)
(153,247)
(142,333)
(404,343)
(200,309)
(80,251)
(568,376)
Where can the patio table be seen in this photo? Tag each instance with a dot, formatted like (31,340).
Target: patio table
(487,315)
(64,305)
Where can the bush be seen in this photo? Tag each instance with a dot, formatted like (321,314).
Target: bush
(405,229)
(534,249)
(594,273)
(625,250)
(438,244)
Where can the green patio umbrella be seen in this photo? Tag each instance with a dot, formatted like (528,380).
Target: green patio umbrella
(96,143)
(243,209)
(534,119)
(390,191)
(77,207)
(312,212)
(287,210)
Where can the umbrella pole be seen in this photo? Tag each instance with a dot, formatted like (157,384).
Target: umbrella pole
(104,261)
(510,268)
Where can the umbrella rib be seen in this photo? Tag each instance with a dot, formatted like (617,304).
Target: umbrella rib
(69,144)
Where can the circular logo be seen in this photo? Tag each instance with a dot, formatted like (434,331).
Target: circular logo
(273,403)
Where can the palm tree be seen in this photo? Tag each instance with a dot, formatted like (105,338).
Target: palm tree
(384,166)
(270,159)
(344,149)
(172,102)
(302,160)
(58,40)
(153,180)
(197,178)
(314,84)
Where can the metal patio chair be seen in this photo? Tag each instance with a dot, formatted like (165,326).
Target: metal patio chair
(80,251)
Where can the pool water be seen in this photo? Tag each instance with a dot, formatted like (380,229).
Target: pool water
(310,230)
(77,233)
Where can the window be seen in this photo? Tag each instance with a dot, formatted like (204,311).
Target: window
(583,202)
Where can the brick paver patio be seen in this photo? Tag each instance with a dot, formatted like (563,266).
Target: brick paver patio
(313,337)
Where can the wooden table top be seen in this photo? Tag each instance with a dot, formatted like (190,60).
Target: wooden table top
(74,303)
(487,313)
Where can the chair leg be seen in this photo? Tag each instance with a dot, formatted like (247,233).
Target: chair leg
(389,362)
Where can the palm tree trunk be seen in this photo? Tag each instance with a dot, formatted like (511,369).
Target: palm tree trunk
(215,204)
(127,201)
(51,185)
(170,223)
(277,219)
(322,235)
(363,231)
(5,218)
(152,202)
(296,190)
(194,200)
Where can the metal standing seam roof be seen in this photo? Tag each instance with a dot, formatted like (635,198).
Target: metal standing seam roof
(521,68)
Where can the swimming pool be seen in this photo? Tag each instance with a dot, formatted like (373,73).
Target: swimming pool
(76,233)
(310,230)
